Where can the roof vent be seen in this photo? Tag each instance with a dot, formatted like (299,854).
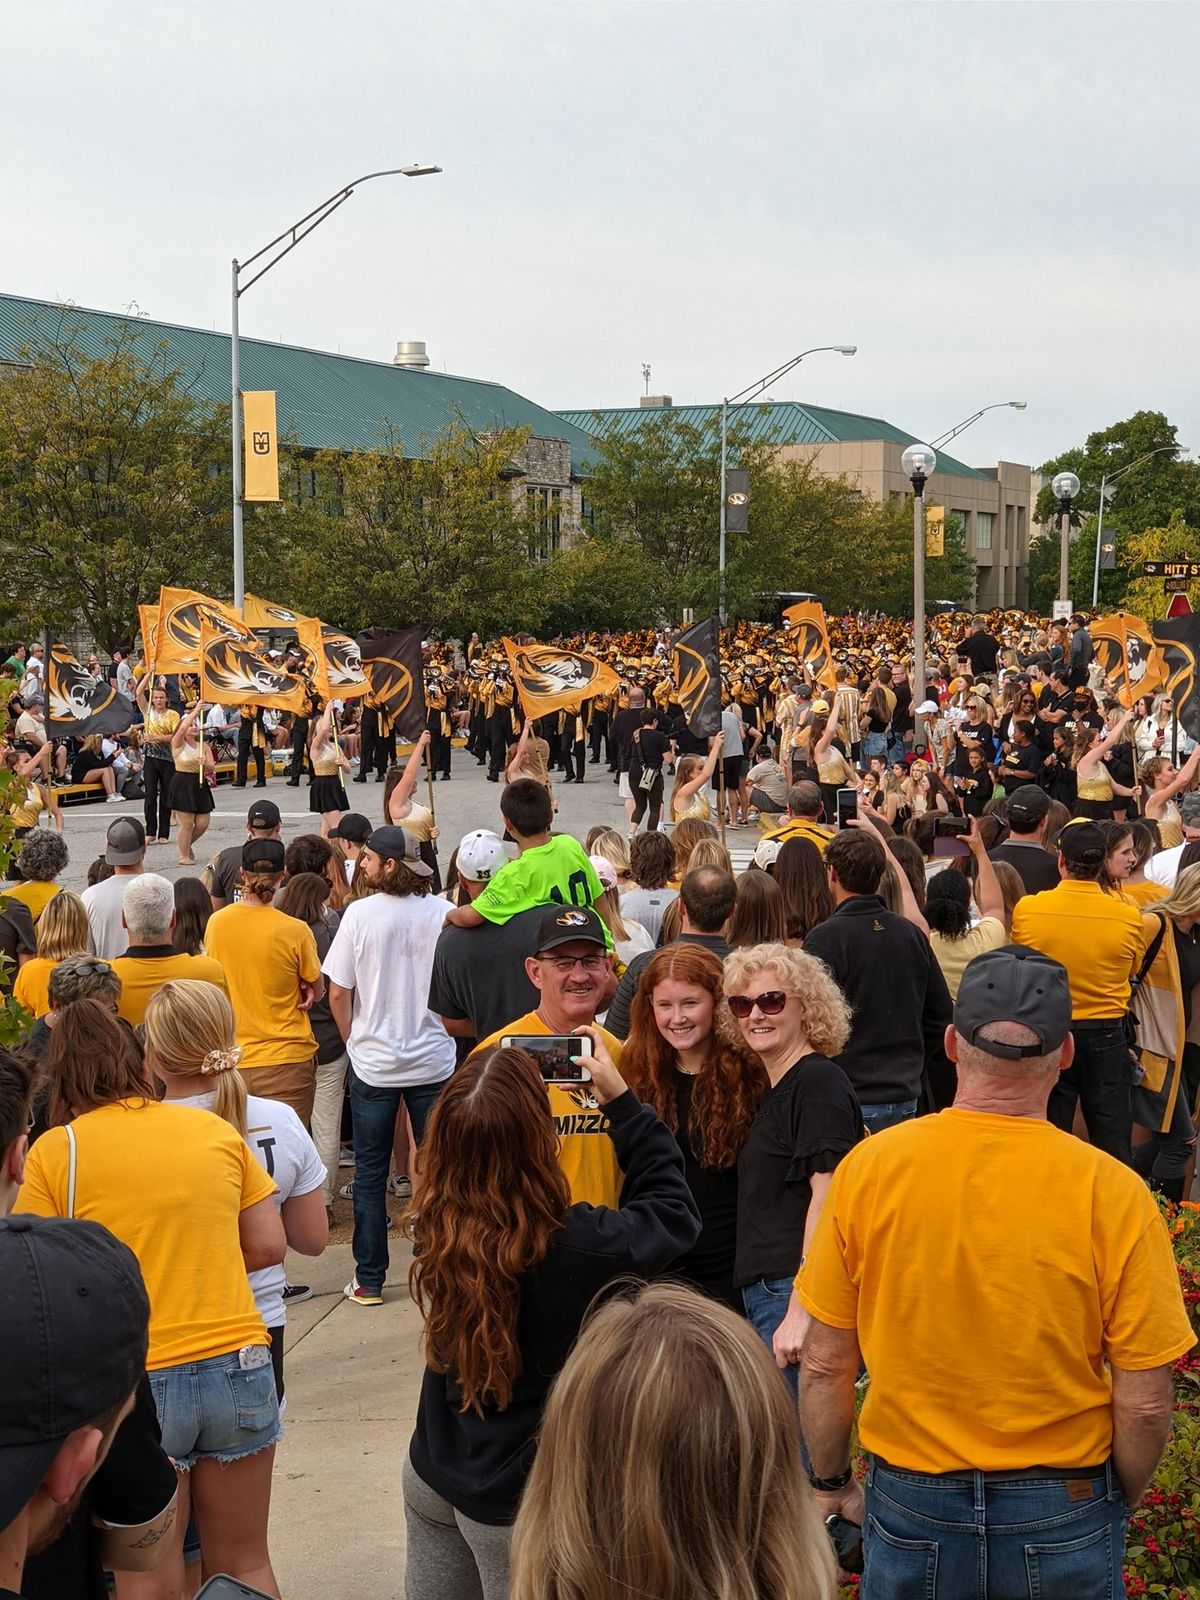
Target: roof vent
(411,353)
(658,402)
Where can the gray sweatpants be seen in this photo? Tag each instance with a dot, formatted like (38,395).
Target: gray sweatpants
(450,1557)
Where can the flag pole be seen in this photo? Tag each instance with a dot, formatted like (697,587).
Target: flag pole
(720,724)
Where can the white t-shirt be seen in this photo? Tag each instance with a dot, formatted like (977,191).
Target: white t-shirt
(286,1153)
(102,902)
(1164,867)
(383,950)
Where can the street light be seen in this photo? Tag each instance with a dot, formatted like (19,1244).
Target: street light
(1064,489)
(743,397)
(293,235)
(1105,495)
(918,463)
(961,427)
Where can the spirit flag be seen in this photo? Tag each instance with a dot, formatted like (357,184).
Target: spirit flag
(1179,640)
(1127,656)
(548,678)
(265,614)
(181,615)
(392,663)
(148,623)
(696,670)
(261,443)
(77,705)
(332,661)
(811,640)
(234,672)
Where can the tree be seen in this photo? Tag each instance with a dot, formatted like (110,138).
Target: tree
(1148,597)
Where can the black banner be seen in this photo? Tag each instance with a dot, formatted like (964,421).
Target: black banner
(392,663)
(1179,640)
(696,668)
(737,500)
(77,705)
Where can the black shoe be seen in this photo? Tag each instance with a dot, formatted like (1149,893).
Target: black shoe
(358,780)
(381,777)
(261,784)
(293,783)
(445,777)
(492,778)
(296,1291)
(234,784)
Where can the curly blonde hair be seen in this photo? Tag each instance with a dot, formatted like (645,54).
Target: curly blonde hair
(826,1011)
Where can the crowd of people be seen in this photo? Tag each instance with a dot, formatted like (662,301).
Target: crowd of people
(700,1169)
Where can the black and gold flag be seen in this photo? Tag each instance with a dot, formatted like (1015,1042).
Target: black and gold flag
(77,705)
(809,638)
(181,615)
(332,660)
(392,663)
(1179,640)
(234,673)
(548,678)
(1127,656)
(696,669)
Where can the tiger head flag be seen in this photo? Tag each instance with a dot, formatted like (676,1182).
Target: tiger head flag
(810,640)
(1127,655)
(548,678)
(392,663)
(181,615)
(77,704)
(148,625)
(696,670)
(1179,640)
(234,672)
(267,615)
(333,661)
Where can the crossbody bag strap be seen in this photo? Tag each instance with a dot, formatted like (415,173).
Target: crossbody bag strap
(1151,955)
(71,1166)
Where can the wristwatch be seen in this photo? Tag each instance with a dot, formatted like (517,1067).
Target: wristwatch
(829,1485)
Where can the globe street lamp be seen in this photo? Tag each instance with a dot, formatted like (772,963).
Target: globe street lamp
(918,463)
(1064,488)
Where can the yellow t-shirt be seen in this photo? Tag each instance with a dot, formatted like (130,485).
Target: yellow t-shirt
(1143,894)
(36,895)
(952,955)
(171,1182)
(992,1265)
(31,987)
(265,953)
(1098,938)
(585,1151)
(802,828)
(141,975)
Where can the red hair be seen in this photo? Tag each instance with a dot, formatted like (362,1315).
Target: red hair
(491,1195)
(732,1080)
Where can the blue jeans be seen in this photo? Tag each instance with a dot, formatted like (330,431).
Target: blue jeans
(963,1537)
(887,1114)
(374,1111)
(217,1410)
(766,1303)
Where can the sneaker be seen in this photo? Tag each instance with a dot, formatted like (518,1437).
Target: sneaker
(357,1295)
(347,1193)
(295,1292)
(115,799)
(346,1156)
(401,1186)
(347,1190)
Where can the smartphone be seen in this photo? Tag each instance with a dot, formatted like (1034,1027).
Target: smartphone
(222,1588)
(847,805)
(561,1057)
(847,1539)
(950,827)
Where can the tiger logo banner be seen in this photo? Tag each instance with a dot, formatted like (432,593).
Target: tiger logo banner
(182,614)
(148,626)
(811,640)
(391,661)
(547,678)
(696,670)
(234,673)
(1127,655)
(332,662)
(78,705)
(265,614)
(1178,638)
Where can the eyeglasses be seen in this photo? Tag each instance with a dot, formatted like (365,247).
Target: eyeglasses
(770,1004)
(565,964)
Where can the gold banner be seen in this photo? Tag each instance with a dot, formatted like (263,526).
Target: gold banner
(234,672)
(261,445)
(266,614)
(148,622)
(935,530)
(810,639)
(181,614)
(547,678)
(1131,662)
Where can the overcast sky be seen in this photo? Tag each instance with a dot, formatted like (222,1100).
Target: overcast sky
(993,201)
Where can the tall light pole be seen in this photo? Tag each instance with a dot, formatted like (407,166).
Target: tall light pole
(1106,491)
(917,463)
(744,397)
(289,239)
(1064,487)
(961,427)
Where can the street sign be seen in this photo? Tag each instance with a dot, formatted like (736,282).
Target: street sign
(1173,585)
(1187,570)
(1061,610)
(1180,606)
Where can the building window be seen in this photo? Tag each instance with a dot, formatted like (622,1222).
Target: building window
(587,511)
(547,537)
(983,529)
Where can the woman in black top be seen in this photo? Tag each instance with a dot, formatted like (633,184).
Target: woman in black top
(648,750)
(792,1013)
(705,1086)
(504,1270)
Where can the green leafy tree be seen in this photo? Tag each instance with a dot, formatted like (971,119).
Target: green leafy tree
(1149,597)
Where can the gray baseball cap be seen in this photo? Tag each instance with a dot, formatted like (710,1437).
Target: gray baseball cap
(1014,984)
(125,843)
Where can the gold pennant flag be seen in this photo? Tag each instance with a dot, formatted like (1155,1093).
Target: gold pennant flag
(261,444)
(1131,662)
(548,678)
(181,614)
(332,663)
(148,623)
(234,672)
(258,613)
(809,637)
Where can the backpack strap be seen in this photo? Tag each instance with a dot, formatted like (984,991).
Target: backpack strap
(72,1160)
(1151,955)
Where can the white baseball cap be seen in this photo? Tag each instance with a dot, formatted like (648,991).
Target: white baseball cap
(481,854)
(764,855)
(605,871)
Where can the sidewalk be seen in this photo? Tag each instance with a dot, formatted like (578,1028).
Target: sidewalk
(352,1378)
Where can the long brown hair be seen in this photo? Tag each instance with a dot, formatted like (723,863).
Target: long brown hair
(687,835)
(491,1196)
(807,898)
(93,1061)
(733,1079)
(759,916)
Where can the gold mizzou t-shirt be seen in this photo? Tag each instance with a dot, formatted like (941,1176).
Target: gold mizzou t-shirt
(585,1152)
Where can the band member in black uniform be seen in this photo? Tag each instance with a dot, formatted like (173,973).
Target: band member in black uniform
(252,736)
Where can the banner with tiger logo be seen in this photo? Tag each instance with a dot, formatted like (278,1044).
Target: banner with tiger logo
(548,678)
(696,671)
(333,662)
(809,636)
(182,614)
(148,626)
(234,673)
(391,660)
(1179,640)
(265,614)
(1127,655)
(78,705)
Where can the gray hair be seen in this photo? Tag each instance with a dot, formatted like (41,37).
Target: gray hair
(148,906)
(80,978)
(43,856)
(972,1057)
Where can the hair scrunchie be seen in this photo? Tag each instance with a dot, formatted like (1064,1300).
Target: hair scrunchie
(221,1060)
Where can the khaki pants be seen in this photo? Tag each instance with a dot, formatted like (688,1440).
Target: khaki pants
(295,1084)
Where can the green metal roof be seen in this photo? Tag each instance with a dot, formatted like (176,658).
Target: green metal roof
(772,421)
(325,401)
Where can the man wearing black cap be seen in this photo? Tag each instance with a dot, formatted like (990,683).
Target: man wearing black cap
(125,852)
(1100,941)
(1047,1288)
(224,871)
(353,829)
(1024,849)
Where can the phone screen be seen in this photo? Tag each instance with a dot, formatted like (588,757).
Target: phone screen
(561,1057)
(847,805)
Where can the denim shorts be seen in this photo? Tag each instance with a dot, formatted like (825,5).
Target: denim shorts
(216,1410)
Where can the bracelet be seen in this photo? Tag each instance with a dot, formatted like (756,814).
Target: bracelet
(829,1485)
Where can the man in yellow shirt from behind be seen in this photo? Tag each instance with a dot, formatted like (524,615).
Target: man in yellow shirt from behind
(148,916)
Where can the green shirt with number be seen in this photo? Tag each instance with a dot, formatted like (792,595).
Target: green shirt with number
(557,871)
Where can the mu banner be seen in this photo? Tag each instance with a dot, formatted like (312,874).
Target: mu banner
(392,663)
(1127,655)
(1179,640)
(77,705)
(332,661)
(548,678)
(181,615)
(696,670)
(234,672)
(811,639)
(261,445)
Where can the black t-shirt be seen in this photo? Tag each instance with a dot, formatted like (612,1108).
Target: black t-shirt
(479,973)
(133,1484)
(226,874)
(902,719)
(975,791)
(650,749)
(708,1266)
(981,650)
(624,725)
(17,937)
(805,1124)
(978,733)
(1021,764)
(1036,867)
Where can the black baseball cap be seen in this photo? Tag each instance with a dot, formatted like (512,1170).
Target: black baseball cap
(74,1321)
(262,855)
(263,814)
(568,925)
(1014,984)
(1082,844)
(1027,806)
(394,844)
(354,827)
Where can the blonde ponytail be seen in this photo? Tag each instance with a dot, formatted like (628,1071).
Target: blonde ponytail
(189,1027)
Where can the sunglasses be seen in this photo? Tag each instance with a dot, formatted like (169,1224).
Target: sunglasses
(770,1004)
